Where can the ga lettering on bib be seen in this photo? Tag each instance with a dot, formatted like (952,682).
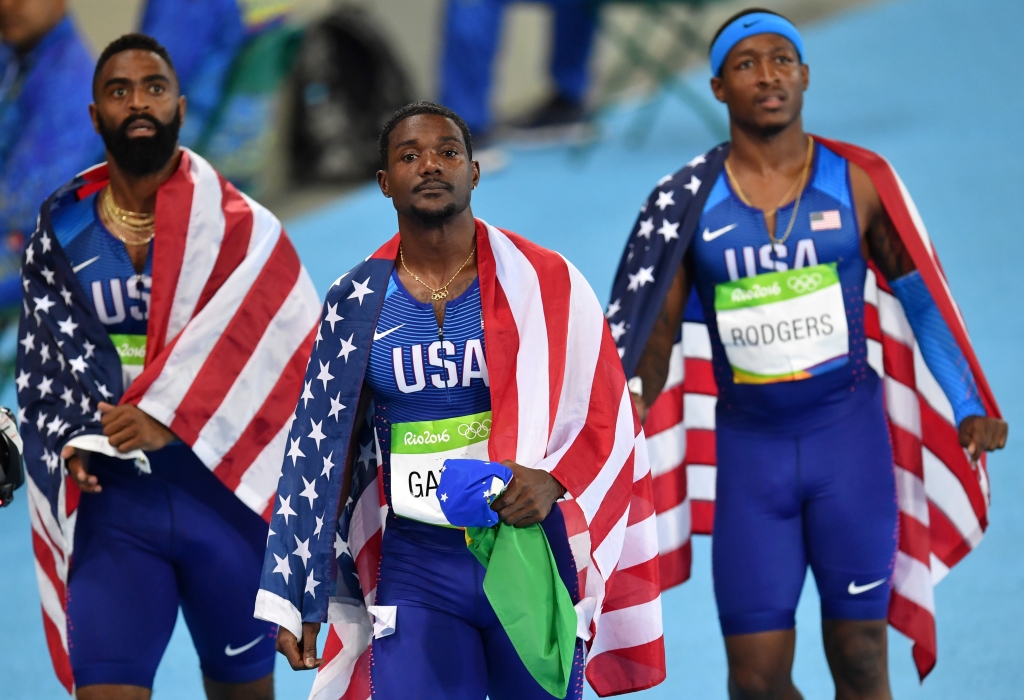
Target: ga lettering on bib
(418,452)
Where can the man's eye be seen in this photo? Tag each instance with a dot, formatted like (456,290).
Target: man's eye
(409,157)
(157,89)
(746,64)
(451,153)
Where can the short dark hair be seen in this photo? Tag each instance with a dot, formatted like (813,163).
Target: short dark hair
(131,42)
(741,13)
(413,109)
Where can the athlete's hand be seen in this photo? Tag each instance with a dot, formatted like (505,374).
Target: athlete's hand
(77,462)
(129,428)
(640,405)
(529,496)
(982,434)
(301,653)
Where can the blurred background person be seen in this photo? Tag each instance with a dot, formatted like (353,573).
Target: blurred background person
(232,57)
(472,29)
(204,36)
(45,133)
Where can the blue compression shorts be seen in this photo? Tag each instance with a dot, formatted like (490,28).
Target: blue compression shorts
(149,543)
(826,498)
(448,644)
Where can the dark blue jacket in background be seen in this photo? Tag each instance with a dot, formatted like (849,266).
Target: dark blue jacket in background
(46,136)
(203,38)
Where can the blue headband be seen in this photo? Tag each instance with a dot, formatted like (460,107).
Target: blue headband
(749,25)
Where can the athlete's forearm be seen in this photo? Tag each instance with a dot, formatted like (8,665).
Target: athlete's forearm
(653,366)
(940,350)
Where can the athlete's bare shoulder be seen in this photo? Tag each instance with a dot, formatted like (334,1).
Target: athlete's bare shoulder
(865,197)
(880,242)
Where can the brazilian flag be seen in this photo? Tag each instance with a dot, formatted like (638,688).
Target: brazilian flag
(522,582)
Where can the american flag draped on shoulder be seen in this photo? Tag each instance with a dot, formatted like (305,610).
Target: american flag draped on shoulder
(943,498)
(231,321)
(559,403)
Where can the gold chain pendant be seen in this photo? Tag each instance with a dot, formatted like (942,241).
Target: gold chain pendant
(435,294)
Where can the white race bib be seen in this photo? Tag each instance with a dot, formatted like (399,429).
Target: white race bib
(783,326)
(131,349)
(418,452)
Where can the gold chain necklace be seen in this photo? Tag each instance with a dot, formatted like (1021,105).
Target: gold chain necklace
(441,292)
(798,185)
(128,221)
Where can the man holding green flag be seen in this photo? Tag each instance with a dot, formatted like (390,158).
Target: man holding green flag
(475,347)
(522,583)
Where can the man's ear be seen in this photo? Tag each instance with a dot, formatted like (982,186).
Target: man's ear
(182,107)
(476,173)
(94,117)
(382,182)
(718,89)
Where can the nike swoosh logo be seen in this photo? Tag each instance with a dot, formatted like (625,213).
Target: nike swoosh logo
(712,235)
(228,651)
(378,336)
(747,25)
(78,268)
(854,589)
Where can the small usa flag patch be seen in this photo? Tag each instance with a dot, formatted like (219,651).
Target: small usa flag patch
(825,220)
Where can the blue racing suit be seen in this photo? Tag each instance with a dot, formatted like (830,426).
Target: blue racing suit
(148,544)
(448,643)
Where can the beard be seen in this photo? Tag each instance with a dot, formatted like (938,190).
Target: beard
(433,218)
(143,155)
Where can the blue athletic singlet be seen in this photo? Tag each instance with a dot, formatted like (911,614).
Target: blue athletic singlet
(448,644)
(739,247)
(119,294)
(805,473)
(147,544)
(420,372)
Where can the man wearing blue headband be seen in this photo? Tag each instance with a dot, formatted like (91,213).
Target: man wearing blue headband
(814,278)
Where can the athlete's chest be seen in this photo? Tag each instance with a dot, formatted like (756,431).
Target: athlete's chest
(119,295)
(418,366)
(732,240)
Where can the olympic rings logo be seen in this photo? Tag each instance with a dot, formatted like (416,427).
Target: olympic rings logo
(476,429)
(804,283)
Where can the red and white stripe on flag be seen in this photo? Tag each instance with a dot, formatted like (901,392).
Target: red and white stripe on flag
(225,358)
(943,498)
(680,429)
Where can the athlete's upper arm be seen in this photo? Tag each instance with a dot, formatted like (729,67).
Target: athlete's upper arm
(653,365)
(880,242)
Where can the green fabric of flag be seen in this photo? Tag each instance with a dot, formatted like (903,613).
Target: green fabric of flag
(529,598)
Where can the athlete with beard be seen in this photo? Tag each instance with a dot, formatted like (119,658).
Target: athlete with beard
(146,544)
(775,243)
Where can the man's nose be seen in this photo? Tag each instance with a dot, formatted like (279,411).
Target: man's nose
(430,162)
(138,102)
